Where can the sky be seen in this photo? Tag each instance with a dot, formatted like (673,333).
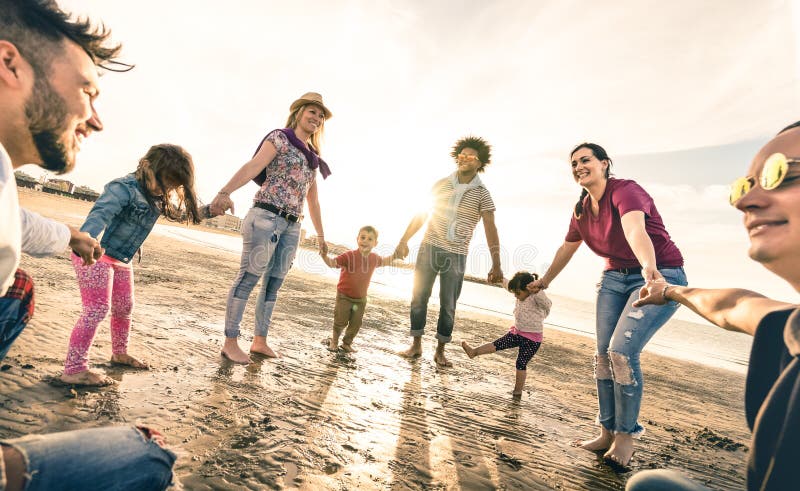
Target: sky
(681,94)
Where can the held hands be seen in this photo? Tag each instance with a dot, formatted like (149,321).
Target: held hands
(495,275)
(401,251)
(221,202)
(653,293)
(85,246)
(650,273)
(536,286)
(323,246)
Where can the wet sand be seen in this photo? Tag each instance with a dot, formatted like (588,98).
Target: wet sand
(367,420)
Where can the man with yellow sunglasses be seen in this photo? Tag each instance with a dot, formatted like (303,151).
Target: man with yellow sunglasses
(771,208)
(773,174)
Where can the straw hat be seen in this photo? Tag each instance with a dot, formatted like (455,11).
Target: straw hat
(311,98)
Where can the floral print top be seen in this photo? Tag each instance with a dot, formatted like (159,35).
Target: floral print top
(288,177)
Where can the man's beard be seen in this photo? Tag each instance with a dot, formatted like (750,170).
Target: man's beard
(46,113)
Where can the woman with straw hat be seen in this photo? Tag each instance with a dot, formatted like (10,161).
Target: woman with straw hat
(285,166)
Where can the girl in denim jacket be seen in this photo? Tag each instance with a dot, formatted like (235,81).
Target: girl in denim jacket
(163,185)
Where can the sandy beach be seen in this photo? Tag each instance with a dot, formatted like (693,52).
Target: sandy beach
(367,420)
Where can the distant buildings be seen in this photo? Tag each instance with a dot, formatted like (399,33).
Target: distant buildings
(226,221)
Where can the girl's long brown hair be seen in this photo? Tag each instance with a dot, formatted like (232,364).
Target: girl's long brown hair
(171,168)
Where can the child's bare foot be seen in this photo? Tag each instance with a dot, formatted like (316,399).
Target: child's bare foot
(602,442)
(331,344)
(469,350)
(128,360)
(87,378)
(516,394)
(348,348)
(621,450)
(233,352)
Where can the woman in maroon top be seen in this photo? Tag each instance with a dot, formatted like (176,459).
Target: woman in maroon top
(619,222)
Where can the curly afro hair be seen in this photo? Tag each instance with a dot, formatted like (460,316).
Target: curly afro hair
(479,145)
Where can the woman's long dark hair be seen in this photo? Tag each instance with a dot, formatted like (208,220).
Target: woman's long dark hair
(172,169)
(600,154)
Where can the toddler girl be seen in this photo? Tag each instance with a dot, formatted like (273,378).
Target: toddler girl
(526,333)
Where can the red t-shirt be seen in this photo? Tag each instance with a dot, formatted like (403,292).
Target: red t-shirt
(604,235)
(356,272)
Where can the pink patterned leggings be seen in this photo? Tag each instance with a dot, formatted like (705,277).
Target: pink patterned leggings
(106,281)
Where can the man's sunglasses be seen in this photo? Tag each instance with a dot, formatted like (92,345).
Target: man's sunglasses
(772,175)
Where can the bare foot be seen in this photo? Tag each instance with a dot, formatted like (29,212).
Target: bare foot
(412,352)
(264,350)
(331,344)
(128,360)
(602,442)
(348,348)
(233,352)
(87,378)
(469,350)
(621,450)
(441,360)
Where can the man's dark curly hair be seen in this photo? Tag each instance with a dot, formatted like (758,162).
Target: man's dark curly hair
(479,145)
(38,28)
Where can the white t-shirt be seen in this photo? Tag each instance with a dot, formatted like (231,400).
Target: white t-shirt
(22,230)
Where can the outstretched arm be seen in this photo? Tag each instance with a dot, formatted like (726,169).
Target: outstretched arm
(247,172)
(733,309)
(641,245)
(416,223)
(331,262)
(561,259)
(493,240)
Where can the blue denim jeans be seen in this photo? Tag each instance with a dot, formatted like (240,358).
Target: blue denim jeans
(104,459)
(13,319)
(662,480)
(433,261)
(622,333)
(270,244)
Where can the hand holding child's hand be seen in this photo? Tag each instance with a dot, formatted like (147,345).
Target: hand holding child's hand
(536,286)
(85,246)
(323,247)
(220,204)
(401,251)
(495,275)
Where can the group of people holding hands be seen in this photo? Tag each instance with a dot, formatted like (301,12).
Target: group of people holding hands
(48,110)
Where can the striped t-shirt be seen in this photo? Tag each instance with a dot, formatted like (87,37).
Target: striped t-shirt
(473,203)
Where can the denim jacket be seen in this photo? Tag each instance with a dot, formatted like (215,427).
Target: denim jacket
(125,215)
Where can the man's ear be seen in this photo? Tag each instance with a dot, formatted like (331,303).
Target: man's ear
(12,65)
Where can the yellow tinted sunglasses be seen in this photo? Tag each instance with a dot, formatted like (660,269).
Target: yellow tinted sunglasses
(772,175)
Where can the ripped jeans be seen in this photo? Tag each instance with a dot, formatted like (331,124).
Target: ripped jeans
(622,333)
(111,458)
(269,246)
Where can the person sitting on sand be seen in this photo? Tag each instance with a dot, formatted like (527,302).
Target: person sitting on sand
(529,313)
(163,185)
(356,267)
(460,202)
(285,167)
(769,198)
